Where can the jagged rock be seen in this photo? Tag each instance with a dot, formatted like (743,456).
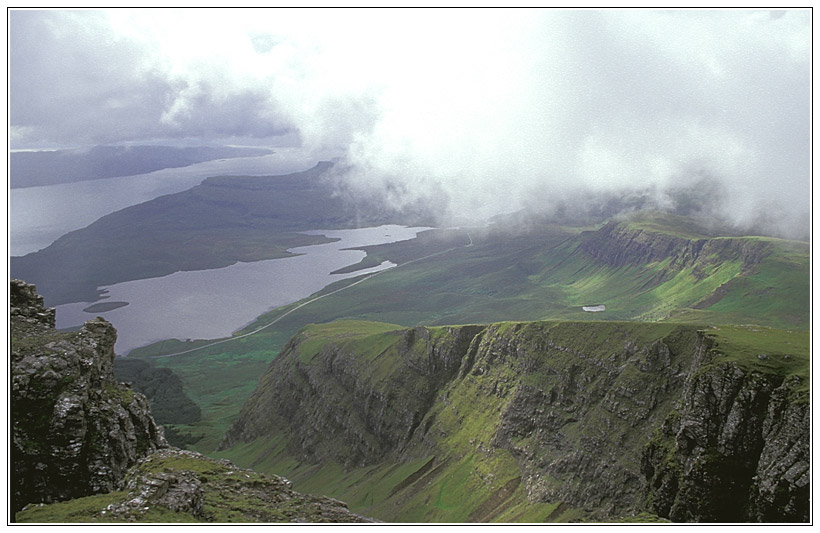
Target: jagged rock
(613,419)
(217,490)
(737,450)
(27,306)
(75,429)
(78,432)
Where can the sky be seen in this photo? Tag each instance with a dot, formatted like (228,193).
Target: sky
(492,110)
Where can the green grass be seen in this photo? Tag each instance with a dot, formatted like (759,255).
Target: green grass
(785,353)
(88,510)
(537,275)
(368,337)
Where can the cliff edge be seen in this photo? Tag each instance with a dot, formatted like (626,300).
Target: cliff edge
(85,447)
(589,421)
(75,429)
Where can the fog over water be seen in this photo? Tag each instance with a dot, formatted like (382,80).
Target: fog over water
(490,110)
(207,304)
(39,215)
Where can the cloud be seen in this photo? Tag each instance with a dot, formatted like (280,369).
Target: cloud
(492,110)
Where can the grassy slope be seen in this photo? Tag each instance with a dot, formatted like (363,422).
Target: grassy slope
(472,480)
(213,225)
(531,276)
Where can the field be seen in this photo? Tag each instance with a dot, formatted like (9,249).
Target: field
(471,276)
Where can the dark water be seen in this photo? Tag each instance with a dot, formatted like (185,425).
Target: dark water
(211,304)
(39,215)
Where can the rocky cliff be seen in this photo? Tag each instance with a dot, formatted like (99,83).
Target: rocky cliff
(75,429)
(610,419)
(736,450)
(85,447)
(619,243)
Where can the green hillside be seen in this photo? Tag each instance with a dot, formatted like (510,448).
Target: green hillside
(525,422)
(223,220)
(655,267)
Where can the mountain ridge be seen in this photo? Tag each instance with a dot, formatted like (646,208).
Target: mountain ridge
(582,414)
(52,167)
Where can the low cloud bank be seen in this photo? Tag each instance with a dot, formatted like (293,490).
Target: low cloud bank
(479,111)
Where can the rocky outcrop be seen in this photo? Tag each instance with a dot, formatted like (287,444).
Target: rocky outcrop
(736,450)
(78,432)
(75,429)
(613,419)
(619,243)
(212,490)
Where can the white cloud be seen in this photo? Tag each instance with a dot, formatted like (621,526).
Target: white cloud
(487,107)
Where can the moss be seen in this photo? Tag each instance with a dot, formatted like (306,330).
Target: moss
(180,463)
(91,509)
(119,393)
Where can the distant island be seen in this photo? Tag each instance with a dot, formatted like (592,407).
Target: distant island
(102,307)
(36,168)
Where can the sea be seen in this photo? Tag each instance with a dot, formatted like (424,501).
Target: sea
(203,304)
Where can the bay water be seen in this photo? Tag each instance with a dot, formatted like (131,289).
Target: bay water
(39,215)
(208,304)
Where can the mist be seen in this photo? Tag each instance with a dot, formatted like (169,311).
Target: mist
(476,112)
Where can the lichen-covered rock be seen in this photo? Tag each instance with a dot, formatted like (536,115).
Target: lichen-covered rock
(609,419)
(173,485)
(216,490)
(735,451)
(75,429)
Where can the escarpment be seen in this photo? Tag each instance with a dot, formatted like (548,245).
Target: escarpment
(617,244)
(75,429)
(350,409)
(610,419)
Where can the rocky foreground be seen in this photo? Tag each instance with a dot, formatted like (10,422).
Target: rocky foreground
(85,447)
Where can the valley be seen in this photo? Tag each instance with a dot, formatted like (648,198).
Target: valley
(537,266)
(647,274)
(500,278)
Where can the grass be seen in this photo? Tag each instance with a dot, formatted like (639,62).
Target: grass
(366,335)
(463,476)
(536,275)
(88,510)
(785,353)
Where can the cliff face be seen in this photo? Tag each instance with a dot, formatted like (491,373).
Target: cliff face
(618,244)
(610,418)
(738,449)
(90,444)
(75,429)
(348,408)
